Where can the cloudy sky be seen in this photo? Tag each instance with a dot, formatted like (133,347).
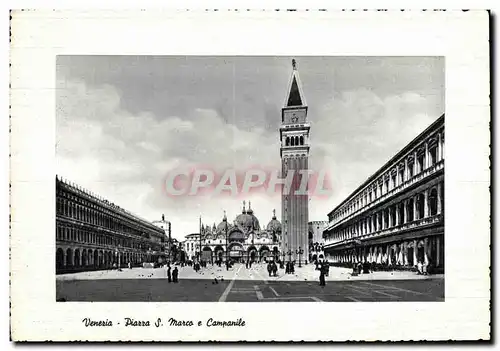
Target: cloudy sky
(124,122)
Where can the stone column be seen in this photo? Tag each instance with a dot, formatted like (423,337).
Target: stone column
(405,173)
(426,247)
(415,208)
(414,252)
(404,246)
(439,156)
(405,212)
(415,163)
(397,214)
(438,242)
(426,203)
(397,177)
(439,209)
(426,156)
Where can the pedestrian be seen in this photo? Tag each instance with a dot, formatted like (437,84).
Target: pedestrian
(269,268)
(169,274)
(175,275)
(419,268)
(129,265)
(322,277)
(275,269)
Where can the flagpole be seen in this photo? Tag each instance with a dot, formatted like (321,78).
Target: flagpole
(201,229)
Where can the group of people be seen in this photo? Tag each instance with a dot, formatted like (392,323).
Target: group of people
(172,276)
(198,265)
(272,269)
(290,267)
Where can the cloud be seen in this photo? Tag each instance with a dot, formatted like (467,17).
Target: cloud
(124,153)
(125,157)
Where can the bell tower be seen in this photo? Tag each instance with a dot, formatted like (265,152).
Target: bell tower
(294,152)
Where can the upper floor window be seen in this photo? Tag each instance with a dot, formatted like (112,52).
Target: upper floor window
(420,162)
(432,155)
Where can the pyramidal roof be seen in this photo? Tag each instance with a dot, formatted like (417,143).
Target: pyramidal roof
(295,95)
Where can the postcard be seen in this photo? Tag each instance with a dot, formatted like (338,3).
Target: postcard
(250,176)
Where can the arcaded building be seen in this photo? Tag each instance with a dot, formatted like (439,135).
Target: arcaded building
(93,233)
(396,217)
(242,240)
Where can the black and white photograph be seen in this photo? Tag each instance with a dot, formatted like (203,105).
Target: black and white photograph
(148,148)
(251,176)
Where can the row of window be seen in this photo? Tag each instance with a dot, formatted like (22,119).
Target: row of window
(423,205)
(416,162)
(87,237)
(92,216)
(294,140)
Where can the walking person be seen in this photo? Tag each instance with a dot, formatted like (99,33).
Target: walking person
(169,274)
(275,269)
(322,276)
(175,275)
(269,268)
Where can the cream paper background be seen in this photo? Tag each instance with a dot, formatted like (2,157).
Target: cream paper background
(462,37)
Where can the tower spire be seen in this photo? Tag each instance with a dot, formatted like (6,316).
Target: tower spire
(295,96)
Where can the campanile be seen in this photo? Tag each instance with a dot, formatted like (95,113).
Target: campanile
(294,152)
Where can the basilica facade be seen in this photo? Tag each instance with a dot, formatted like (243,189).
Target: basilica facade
(241,240)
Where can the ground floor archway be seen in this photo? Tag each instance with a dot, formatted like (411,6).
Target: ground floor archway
(236,252)
(59,260)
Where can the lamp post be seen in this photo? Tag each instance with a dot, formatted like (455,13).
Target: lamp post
(225,228)
(299,252)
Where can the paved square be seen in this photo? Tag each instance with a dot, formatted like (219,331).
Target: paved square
(240,284)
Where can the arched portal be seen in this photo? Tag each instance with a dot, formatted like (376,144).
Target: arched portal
(236,251)
(206,254)
(84,258)
(69,258)
(264,253)
(96,258)
(276,253)
(409,253)
(252,254)
(59,259)
(219,253)
(420,252)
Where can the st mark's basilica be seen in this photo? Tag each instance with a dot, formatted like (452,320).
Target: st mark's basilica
(242,239)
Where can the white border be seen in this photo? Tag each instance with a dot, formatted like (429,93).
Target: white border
(462,37)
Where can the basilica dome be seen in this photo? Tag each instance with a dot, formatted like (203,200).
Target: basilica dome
(221,228)
(274,225)
(247,221)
